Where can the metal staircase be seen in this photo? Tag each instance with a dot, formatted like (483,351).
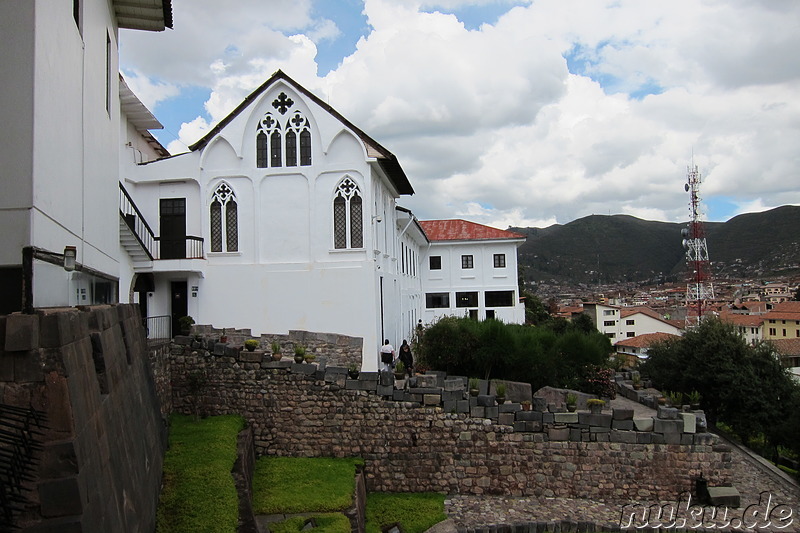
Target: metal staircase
(135,234)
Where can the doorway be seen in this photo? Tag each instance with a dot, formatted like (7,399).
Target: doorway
(179,306)
(172,218)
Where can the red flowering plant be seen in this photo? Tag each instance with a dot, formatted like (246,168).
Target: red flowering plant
(599,381)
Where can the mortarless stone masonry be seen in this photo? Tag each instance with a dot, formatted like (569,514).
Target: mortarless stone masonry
(295,410)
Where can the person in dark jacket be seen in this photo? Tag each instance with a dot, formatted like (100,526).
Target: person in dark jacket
(406,357)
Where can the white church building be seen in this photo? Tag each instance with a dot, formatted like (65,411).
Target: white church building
(283,217)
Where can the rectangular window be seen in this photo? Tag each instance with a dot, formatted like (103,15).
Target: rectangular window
(437,300)
(109,70)
(608,312)
(435,262)
(466,261)
(489,314)
(609,323)
(499,260)
(629,322)
(467,299)
(631,334)
(773,331)
(499,298)
(784,332)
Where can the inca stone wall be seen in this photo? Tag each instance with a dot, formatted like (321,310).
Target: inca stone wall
(102,450)
(300,410)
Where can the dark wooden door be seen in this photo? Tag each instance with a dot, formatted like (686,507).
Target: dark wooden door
(179,304)
(172,213)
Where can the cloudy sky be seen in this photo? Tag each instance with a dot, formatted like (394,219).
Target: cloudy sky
(509,112)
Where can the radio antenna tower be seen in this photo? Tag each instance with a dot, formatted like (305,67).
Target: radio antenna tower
(699,289)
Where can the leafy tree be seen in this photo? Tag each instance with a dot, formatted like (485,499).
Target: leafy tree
(742,385)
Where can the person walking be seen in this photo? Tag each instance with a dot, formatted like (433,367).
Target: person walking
(387,356)
(406,357)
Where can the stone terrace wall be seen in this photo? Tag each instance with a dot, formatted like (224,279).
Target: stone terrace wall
(298,410)
(87,369)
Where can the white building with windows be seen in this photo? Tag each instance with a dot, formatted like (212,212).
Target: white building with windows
(471,270)
(619,323)
(283,217)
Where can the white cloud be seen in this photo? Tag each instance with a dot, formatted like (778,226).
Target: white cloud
(490,123)
(150,93)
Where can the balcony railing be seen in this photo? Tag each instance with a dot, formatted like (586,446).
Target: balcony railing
(158,327)
(188,247)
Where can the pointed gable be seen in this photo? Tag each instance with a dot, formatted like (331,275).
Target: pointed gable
(463,230)
(387,161)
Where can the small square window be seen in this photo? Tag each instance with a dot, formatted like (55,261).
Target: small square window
(499,260)
(466,261)
(435,262)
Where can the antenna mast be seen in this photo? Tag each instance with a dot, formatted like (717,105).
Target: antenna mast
(699,289)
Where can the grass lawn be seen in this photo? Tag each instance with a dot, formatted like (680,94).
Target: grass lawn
(326,523)
(198,493)
(303,485)
(415,512)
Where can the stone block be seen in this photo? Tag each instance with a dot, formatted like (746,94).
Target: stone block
(601,437)
(180,340)
(431,399)
(628,437)
(58,460)
(565,418)
(385,390)
(657,438)
(462,406)
(400,396)
(539,403)
(704,439)
(668,426)
(506,419)
(558,433)
(622,414)
(352,384)
(724,497)
(531,416)
(477,412)
(453,395)
(22,333)
(644,438)
(667,413)
(687,439)
(643,424)
(599,429)
(305,368)
(599,420)
(425,390)
(60,497)
(454,385)
(251,357)
(575,434)
(689,422)
(486,400)
(511,407)
(492,412)
(219,348)
(626,425)
(547,418)
(426,380)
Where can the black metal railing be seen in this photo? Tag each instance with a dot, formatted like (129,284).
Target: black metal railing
(136,222)
(158,327)
(20,429)
(189,247)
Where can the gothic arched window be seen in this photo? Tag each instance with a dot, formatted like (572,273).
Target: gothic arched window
(224,218)
(293,138)
(348,224)
(268,142)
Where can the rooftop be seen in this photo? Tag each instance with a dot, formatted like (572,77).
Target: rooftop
(463,230)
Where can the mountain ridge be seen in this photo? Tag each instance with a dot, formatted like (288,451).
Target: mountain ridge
(623,248)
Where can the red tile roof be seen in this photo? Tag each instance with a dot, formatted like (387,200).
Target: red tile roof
(463,230)
(792,306)
(646,340)
(786,346)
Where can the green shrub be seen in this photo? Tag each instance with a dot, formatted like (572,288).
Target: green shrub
(198,492)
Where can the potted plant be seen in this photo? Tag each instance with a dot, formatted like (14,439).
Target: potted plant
(399,370)
(353,371)
(637,382)
(500,389)
(299,353)
(310,357)
(276,351)
(595,405)
(526,405)
(473,387)
(675,398)
(251,344)
(572,402)
(185,323)
(223,338)
(694,399)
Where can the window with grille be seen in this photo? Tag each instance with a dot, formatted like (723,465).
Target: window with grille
(499,260)
(466,261)
(348,216)
(224,217)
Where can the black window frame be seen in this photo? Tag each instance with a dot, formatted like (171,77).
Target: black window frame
(467,262)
